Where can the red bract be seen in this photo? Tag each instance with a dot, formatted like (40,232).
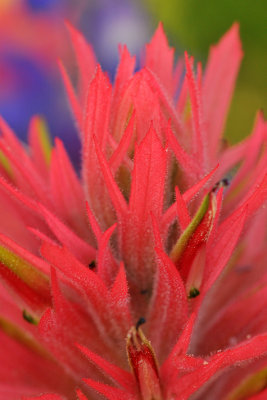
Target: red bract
(165,227)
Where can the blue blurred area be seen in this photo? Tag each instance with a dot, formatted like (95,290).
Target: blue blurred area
(29,86)
(28,90)
(108,23)
(44,5)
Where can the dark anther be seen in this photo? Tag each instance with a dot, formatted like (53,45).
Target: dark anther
(225,182)
(222,183)
(140,322)
(225,144)
(92,264)
(194,292)
(28,317)
(144,291)
(240,269)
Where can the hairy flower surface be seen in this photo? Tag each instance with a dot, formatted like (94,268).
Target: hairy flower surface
(145,277)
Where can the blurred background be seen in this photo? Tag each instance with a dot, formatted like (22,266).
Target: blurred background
(33,37)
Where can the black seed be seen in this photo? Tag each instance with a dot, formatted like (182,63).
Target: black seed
(144,291)
(194,292)
(92,264)
(225,182)
(28,317)
(140,322)
(222,183)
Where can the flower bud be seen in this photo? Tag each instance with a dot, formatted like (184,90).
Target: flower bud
(144,364)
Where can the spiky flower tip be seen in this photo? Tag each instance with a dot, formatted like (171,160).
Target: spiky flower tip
(145,277)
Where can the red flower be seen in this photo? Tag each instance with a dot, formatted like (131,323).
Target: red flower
(144,236)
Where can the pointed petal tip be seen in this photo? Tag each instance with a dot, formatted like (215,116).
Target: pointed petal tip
(70,28)
(160,32)
(235,28)
(232,35)
(160,27)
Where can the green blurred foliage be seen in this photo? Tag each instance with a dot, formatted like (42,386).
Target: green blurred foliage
(196,24)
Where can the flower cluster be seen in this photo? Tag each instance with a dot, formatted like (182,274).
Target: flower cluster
(144,278)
